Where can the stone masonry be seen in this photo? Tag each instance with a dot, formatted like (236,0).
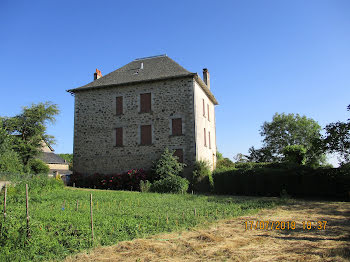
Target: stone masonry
(178,96)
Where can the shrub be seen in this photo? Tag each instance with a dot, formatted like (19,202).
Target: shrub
(10,162)
(145,186)
(201,179)
(170,184)
(167,165)
(129,180)
(37,166)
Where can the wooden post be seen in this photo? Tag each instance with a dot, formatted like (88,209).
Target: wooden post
(92,221)
(195,212)
(192,192)
(183,215)
(5,195)
(77,205)
(74,184)
(27,211)
(167,219)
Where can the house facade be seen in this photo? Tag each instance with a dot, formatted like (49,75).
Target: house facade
(56,163)
(127,118)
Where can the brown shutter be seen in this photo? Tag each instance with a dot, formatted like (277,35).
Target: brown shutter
(176,126)
(145,100)
(208,112)
(119,136)
(209,140)
(203,108)
(205,138)
(119,105)
(146,135)
(180,155)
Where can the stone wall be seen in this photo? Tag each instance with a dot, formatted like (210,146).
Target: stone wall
(95,121)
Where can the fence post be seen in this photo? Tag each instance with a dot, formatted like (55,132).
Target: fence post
(27,211)
(92,222)
(5,202)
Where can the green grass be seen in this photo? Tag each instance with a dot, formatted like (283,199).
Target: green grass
(118,215)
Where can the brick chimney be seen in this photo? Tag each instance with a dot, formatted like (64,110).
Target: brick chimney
(97,75)
(206,77)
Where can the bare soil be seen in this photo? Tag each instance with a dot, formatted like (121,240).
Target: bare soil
(229,240)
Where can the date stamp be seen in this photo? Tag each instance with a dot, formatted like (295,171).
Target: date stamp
(285,225)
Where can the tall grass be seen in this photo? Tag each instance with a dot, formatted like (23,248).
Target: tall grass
(58,229)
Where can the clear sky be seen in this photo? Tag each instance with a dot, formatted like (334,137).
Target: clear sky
(263,56)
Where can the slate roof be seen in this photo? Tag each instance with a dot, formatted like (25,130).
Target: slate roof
(51,158)
(144,70)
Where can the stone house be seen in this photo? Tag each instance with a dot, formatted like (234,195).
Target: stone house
(56,163)
(127,118)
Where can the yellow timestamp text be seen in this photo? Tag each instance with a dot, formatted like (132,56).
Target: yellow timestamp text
(284,225)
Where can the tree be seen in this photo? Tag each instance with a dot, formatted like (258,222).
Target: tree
(294,154)
(337,139)
(286,130)
(28,129)
(167,165)
(9,159)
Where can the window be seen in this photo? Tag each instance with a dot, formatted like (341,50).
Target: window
(146,135)
(203,108)
(176,125)
(119,136)
(209,140)
(145,103)
(208,112)
(205,138)
(180,155)
(119,105)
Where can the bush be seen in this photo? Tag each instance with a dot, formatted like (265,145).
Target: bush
(167,165)
(10,162)
(37,166)
(145,186)
(129,180)
(170,184)
(201,179)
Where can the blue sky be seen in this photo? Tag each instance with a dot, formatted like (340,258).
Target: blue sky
(263,56)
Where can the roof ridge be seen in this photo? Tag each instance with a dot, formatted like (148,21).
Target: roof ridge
(149,57)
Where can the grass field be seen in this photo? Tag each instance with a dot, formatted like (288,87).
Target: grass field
(58,228)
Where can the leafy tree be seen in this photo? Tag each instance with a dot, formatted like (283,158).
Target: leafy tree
(69,159)
(239,157)
(9,159)
(167,165)
(28,129)
(294,154)
(219,155)
(337,138)
(285,130)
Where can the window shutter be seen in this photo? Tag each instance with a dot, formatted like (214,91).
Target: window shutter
(145,100)
(203,108)
(146,135)
(119,105)
(119,136)
(209,140)
(205,138)
(180,155)
(208,112)
(176,126)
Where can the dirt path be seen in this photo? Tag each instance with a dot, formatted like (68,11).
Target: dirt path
(229,240)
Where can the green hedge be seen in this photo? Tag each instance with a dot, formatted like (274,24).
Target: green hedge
(302,181)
